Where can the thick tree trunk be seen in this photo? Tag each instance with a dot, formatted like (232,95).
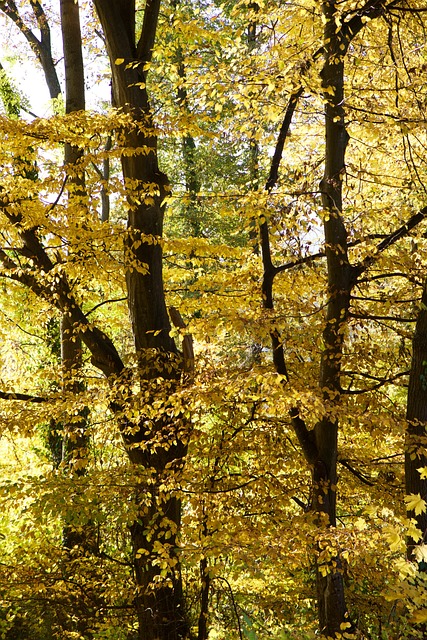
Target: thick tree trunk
(74,439)
(416,416)
(330,587)
(76,540)
(159,602)
(156,445)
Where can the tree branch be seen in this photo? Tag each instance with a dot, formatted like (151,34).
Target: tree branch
(382,383)
(284,130)
(409,9)
(300,503)
(42,48)
(10,395)
(371,377)
(356,473)
(369,11)
(10,9)
(278,355)
(305,437)
(187,341)
(233,603)
(101,304)
(299,261)
(144,49)
(42,22)
(104,354)
(391,239)
(367,316)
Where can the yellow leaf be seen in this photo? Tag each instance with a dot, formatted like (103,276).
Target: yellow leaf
(419,616)
(423,472)
(416,503)
(413,532)
(394,540)
(421,552)
(360,524)
(119,61)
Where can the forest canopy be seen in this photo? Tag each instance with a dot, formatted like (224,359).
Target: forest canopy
(213,320)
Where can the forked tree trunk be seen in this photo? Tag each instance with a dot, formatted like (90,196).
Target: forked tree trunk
(41,44)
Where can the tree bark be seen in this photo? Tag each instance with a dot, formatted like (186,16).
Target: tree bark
(189,150)
(73,62)
(74,438)
(416,416)
(330,587)
(320,446)
(156,445)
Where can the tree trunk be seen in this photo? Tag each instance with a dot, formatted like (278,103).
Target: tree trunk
(74,438)
(189,150)
(76,540)
(416,416)
(74,101)
(330,587)
(156,445)
(320,445)
(416,443)
(73,62)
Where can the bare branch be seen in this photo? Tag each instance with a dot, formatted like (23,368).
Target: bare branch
(300,261)
(355,472)
(101,304)
(390,240)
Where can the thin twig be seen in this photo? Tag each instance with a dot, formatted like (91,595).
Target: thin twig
(61,191)
(100,304)
(233,603)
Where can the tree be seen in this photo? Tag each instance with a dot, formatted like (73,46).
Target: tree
(40,46)
(160,607)
(257,470)
(320,445)
(161,610)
